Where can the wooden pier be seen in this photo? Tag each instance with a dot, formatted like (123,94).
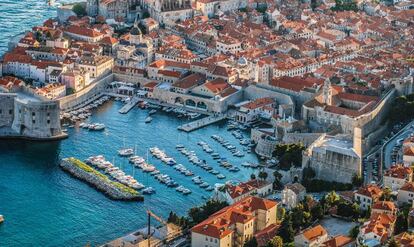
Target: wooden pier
(201,123)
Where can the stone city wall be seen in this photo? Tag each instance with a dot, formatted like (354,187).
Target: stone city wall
(92,91)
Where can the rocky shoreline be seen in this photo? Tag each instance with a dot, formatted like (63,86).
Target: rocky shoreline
(99,182)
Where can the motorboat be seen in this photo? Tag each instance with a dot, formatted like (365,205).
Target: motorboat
(204,185)
(186,191)
(221,176)
(153,111)
(180,188)
(148,191)
(148,119)
(234,169)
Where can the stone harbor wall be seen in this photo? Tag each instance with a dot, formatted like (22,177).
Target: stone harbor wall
(97,182)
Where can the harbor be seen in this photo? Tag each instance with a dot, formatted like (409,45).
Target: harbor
(45,179)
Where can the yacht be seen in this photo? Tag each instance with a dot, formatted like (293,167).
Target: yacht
(221,176)
(126,152)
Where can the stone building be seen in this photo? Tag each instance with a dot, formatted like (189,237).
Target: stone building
(334,158)
(235,224)
(170,11)
(121,10)
(24,115)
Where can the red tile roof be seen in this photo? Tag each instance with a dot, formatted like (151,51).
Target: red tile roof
(409,186)
(292,83)
(398,171)
(371,190)
(218,224)
(314,233)
(337,241)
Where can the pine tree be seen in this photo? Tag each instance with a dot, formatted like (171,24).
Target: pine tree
(286,230)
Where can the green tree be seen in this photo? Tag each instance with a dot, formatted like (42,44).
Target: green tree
(263,175)
(252,176)
(198,214)
(317,212)
(277,184)
(332,198)
(289,154)
(393,243)
(357,180)
(251,243)
(386,194)
(145,15)
(276,241)
(79,10)
(281,213)
(401,224)
(353,233)
(347,209)
(286,230)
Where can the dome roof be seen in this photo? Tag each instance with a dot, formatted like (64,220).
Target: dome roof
(135,31)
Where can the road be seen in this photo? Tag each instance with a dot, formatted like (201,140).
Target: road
(386,150)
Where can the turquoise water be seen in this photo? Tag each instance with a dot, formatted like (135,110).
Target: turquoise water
(45,206)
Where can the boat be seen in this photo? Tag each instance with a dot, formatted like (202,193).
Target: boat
(234,169)
(204,185)
(148,119)
(221,176)
(153,111)
(180,188)
(96,126)
(126,152)
(179,146)
(1,218)
(148,191)
(209,188)
(186,191)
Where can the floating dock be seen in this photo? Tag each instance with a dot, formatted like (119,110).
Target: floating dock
(128,106)
(201,123)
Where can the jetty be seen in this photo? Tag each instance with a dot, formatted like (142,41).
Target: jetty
(128,106)
(101,182)
(201,123)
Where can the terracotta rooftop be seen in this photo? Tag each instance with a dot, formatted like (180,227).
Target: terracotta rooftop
(398,171)
(338,241)
(314,233)
(371,190)
(219,224)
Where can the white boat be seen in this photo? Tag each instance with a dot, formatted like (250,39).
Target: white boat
(148,191)
(153,111)
(126,152)
(148,119)
(221,176)
(1,218)
(186,191)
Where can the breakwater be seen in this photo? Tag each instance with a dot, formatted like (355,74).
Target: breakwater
(113,190)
